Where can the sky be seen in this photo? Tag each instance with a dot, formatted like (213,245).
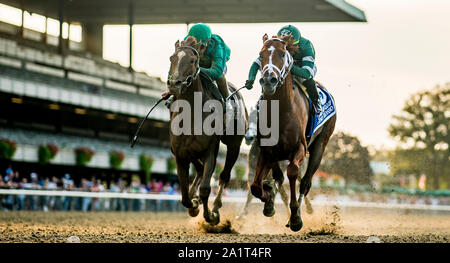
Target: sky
(370,68)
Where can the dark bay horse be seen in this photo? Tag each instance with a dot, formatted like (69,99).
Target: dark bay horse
(198,146)
(277,85)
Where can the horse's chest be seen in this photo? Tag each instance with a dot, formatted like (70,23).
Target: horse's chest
(191,147)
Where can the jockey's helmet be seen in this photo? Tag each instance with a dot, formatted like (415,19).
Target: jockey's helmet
(290,30)
(200,32)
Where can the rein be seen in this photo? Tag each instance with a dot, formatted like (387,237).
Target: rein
(284,71)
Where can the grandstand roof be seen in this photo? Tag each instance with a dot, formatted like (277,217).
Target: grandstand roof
(193,11)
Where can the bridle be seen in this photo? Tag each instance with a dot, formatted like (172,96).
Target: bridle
(284,71)
(193,76)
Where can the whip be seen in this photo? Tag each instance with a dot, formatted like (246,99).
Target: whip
(231,95)
(142,122)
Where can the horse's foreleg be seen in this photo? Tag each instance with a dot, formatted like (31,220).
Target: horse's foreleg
(230,160)
(252,161)
(295,222)
(197,179)
(277,174)
(205,187)
(183,178)
(262,169)
(272,188)
(316,151)
(244,211)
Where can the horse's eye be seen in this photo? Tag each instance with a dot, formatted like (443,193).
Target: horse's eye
(192,61)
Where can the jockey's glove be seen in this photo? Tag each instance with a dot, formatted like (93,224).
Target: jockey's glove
(249,84)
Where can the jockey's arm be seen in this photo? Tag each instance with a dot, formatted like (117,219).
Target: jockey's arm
(254,70)
(217,65)
(308,68)
(304,72)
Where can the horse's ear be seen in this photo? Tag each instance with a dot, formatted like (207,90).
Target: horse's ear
(265,37)
(177,44)
(286,38)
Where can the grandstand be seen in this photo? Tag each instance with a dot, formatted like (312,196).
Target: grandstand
(75,99)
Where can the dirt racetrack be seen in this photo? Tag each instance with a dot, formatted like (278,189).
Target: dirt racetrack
(326,224)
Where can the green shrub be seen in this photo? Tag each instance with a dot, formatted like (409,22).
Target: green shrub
(7,148)
(145,164)
(171,165)
(83,155)
(116,159)
(47,153)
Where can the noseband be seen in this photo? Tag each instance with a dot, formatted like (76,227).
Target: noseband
(284,71)
(193,76)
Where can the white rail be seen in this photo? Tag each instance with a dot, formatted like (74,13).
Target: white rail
(227,199)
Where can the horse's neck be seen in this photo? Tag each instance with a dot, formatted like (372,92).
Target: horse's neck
(285,94)
(196,86)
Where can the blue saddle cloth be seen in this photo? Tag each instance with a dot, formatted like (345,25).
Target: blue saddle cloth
(328,110)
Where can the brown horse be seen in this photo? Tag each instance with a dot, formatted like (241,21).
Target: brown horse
(250,138)
(196,146)
(277,85)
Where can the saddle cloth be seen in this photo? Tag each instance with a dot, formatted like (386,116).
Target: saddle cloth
(328,109)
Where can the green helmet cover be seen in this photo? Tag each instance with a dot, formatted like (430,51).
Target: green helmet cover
(290,30)
(201,32)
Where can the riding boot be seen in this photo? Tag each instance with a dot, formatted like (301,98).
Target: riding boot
(310,85)
(223,88)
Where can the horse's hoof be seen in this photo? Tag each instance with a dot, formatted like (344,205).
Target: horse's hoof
(269,212)
(193,212)
(296,227)
(288,224)
(269,209)
(215,218)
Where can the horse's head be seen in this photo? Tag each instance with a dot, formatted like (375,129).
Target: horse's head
(184,65)
(276,62)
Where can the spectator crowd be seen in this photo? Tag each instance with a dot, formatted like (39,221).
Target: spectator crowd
(13,180)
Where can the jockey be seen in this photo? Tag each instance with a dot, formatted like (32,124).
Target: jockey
(304,68)
(214,54)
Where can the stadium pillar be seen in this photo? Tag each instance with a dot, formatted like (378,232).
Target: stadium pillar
(130,23)
(23,20)
(93,38)
(61,21)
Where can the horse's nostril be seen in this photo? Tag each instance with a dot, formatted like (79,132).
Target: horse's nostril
(273,80)
(261,81)
(178,83)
